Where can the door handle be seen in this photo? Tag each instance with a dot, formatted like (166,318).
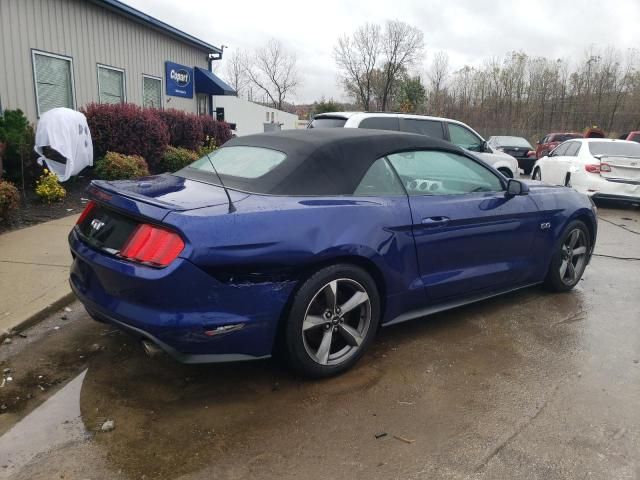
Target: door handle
(435,221)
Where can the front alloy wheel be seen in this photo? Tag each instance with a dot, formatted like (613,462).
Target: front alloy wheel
(570,259)
(333,318)
(574,257)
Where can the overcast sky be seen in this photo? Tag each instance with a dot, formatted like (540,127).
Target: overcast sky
(468,30)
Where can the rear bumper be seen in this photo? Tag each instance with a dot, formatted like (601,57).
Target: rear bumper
(174,307)
(598,187)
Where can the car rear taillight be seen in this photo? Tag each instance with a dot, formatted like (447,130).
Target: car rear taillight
(87,210)
(597,167)
(152,245)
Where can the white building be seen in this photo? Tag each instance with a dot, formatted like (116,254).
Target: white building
(250,117)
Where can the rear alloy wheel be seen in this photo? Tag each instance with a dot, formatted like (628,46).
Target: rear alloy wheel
(333,318)
(537,175)
(570,260)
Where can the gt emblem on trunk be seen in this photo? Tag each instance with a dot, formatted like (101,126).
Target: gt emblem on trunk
(96,224)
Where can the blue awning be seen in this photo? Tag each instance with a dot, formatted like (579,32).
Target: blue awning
(208,82)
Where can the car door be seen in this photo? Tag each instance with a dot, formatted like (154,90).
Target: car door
(552,171)
(469,235)
(567,163)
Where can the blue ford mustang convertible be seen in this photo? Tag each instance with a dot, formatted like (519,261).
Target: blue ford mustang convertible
(312,239)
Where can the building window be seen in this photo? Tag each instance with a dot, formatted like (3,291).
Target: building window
(202,104)
(267,116)
(111,85)
(151,92)
(53,76)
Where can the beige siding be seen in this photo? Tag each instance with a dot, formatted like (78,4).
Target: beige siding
(89,35)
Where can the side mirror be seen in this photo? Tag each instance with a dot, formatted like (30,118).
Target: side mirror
(484,146)
(516,187)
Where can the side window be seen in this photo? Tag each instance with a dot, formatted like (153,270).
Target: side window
(380,123)
(379,180)
(560,151)
(431,128)
(573,149)
(465,138)
(432,172)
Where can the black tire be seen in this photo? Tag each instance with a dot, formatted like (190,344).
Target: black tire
(537,175)
(556,282)
(296,342)
(527,171)
(506,172)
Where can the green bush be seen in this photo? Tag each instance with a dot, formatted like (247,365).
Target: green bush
(206,150)
(48,188)
(18,137)
(117,166)
(175,158)
(9,197)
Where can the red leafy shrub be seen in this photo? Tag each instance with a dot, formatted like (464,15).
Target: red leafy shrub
(185,130)
(128,129)
(215,133)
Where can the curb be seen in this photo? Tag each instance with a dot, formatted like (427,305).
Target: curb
(38,316)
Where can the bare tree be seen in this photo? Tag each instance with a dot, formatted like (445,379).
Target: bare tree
(437,74)
(235,72)
(356,57)
(273,71)
(403,47)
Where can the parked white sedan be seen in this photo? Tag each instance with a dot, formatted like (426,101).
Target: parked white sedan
(599,167)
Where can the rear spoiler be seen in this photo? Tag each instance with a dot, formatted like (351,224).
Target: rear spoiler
(133,204)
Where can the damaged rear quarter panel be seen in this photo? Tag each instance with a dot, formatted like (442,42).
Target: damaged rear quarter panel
(272,235)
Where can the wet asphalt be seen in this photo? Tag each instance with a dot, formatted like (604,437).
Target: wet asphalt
(529,385)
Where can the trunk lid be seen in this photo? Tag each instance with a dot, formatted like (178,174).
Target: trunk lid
(623,169)
(120,206)
(168,192)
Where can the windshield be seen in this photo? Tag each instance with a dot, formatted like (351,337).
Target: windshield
(328,122)
(615,149)
(512,142)
(562,137)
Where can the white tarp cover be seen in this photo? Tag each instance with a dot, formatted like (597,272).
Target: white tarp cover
(67,132)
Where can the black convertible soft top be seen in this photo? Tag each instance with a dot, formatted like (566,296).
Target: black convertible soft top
(321,161)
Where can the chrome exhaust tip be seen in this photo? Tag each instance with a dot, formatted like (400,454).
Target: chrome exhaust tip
(150,348)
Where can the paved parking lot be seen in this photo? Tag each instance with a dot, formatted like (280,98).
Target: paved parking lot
(529,385)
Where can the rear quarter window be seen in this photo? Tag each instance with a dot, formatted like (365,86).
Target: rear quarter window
(430,128)
(328,122)
(380,123)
